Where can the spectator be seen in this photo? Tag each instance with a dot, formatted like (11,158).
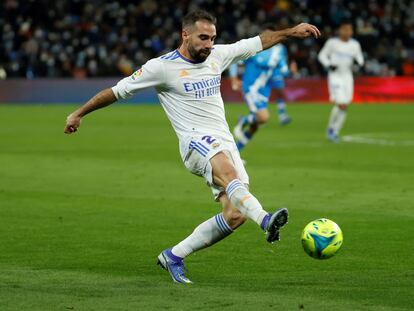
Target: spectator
(94,38)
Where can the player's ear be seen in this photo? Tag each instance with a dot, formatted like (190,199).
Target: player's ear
(185,34)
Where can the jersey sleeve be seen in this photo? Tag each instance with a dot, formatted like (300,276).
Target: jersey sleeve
(358,55)
(325,53)
(240,50)
(151,74)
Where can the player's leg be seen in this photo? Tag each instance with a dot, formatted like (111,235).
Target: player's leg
(261,117)
(233,217)
(199,161)
(279,85)
(213,229)
(226,176)
(331,124)
(341,93)
(336,121)
(245,121)
(340,118)
(204,235)
(248,125)
(344,101)
(210,231)
(334,95)
(332,118)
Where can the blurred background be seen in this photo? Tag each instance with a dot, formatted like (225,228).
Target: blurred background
(84,217)
(96,39)
(110,38)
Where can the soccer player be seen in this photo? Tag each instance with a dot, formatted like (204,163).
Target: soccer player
(338,56)
(187,81)
(262,73)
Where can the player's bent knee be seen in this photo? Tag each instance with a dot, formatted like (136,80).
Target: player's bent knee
(262,120)
(234,218)
(343,107)
(262,116)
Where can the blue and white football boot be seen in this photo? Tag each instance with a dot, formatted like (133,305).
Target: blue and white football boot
(174,266)
(274,223)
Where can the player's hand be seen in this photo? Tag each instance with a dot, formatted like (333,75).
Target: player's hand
(236,84)
(72,123)
(305,30)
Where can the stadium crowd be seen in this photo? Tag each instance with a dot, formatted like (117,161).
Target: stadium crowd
(97,38)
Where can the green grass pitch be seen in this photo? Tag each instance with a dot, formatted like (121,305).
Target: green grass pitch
(83,217)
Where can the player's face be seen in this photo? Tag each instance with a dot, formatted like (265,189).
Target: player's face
(346,32)
(199,40)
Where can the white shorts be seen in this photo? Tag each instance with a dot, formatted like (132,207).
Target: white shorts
(341,89)
(198,152)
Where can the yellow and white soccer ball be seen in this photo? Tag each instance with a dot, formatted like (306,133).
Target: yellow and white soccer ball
(322,238)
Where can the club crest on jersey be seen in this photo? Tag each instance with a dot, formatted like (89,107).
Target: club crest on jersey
(136,74)
(214,67)
(184,73)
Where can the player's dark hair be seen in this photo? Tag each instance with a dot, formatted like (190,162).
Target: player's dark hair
(345,21)
(192,17)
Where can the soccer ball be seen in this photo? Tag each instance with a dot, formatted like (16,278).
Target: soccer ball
(322,238)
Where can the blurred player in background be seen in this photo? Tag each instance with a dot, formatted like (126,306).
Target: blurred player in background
(187,81)
(338,56)
(262,73)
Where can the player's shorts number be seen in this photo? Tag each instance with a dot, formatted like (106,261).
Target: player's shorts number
(208,139)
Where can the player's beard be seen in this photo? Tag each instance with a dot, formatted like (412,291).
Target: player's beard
(199,56)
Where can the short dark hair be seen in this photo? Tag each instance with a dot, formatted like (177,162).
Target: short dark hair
(192,17)
(346,21)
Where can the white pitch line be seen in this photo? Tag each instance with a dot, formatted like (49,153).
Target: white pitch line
(367,139)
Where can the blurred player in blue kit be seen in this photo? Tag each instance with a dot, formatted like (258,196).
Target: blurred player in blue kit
(262,73)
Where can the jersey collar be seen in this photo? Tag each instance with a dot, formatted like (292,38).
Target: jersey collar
(186,59)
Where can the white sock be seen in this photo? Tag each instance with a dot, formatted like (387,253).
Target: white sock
(245,202)
(339,122)
(281,109)
(333,116)
(206,234)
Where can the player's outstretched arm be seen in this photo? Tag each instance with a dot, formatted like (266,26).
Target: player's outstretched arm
(102,99)
(270,38)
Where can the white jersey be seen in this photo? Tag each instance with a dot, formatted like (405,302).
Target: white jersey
(341,54)
(189,92)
